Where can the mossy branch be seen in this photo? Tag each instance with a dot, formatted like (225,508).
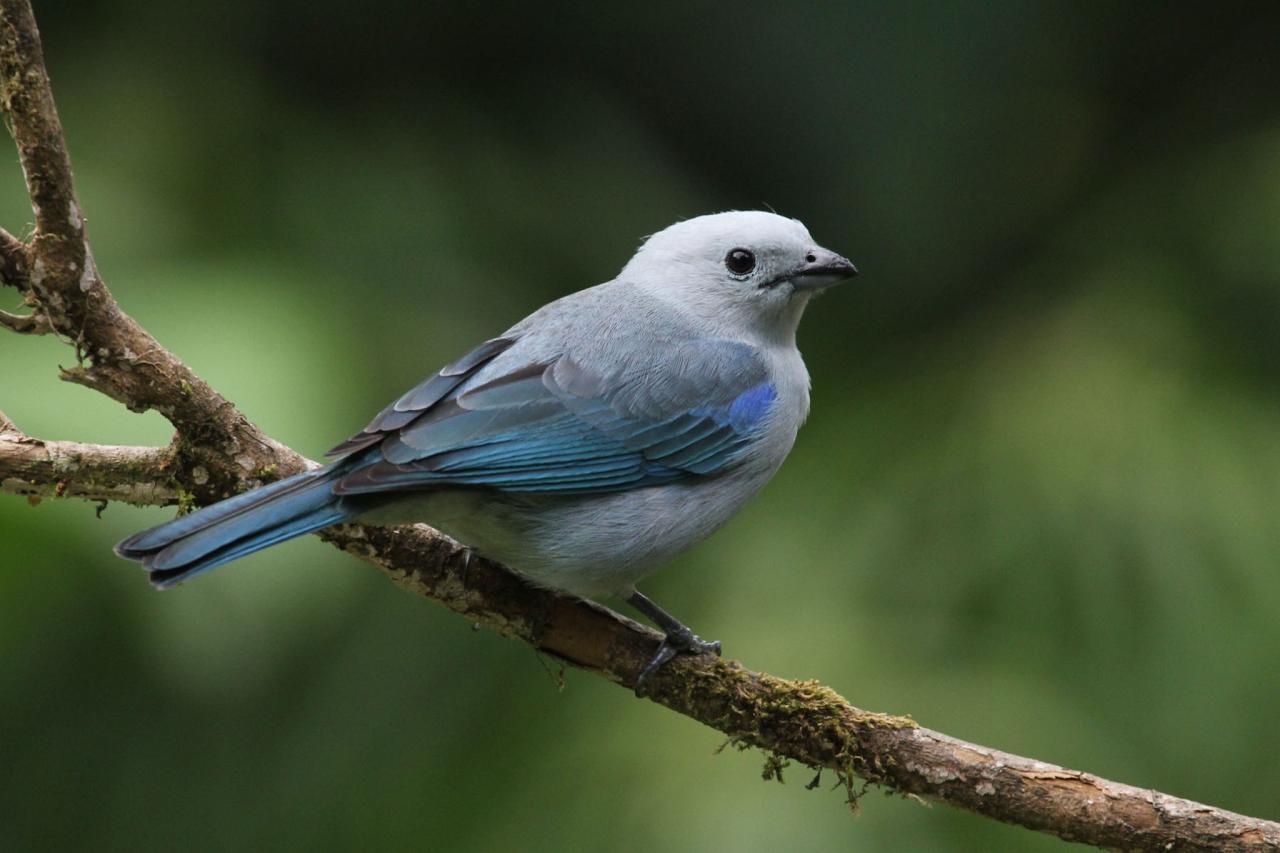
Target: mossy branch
(218,452)
(67,469)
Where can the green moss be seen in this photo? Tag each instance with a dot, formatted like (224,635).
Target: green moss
(186,500)
(803,721)
(773,766)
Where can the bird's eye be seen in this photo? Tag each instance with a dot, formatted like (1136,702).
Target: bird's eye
(740,261)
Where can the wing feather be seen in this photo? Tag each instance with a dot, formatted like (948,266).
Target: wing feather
(560,428)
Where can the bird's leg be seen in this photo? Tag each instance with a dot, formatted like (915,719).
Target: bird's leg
(679,638)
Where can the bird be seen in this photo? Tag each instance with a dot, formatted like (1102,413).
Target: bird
(585,446)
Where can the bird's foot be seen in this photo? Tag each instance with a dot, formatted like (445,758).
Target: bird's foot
(681,641)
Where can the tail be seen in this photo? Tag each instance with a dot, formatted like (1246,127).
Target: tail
(185,547)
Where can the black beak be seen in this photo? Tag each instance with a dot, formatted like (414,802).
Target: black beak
(822,268)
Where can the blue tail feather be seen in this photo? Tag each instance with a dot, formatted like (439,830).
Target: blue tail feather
(275,511)
(239,526)
(154,538)
(166,578)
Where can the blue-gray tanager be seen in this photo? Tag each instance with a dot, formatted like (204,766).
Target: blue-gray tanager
(592,441)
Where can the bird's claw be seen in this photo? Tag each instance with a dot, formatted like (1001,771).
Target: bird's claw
(678,642)
(707,647)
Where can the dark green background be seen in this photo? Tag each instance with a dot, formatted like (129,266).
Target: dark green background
(1035,505)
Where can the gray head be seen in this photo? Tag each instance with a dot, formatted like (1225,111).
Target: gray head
(747,271)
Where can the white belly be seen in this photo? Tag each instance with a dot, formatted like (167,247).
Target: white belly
(594,545)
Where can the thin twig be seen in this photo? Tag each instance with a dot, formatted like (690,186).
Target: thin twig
(13,261)
(68,469)
(25,324)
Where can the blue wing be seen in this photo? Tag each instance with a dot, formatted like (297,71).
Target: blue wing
(559,428)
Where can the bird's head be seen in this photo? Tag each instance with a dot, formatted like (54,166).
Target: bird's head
(745,271)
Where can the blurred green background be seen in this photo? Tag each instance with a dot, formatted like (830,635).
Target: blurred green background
(1035,505)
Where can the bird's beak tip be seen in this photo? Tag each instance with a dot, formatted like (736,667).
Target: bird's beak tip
(826,268)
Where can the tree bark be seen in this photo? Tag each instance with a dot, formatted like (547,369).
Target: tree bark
(218,452)
(67,469)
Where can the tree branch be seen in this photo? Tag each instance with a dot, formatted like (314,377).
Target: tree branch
(219,452)
(116,355)
(24,324)
(13,261)
(67,469)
